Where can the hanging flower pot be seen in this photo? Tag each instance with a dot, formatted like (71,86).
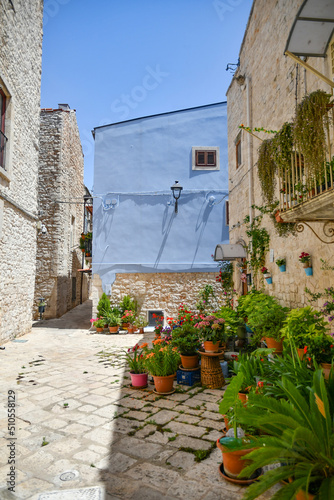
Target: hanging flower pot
(269,280)
(308,271)
(282,268)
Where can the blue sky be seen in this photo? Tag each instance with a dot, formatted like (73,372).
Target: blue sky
(114,60)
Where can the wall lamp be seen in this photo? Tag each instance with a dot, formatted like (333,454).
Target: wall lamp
(176,190)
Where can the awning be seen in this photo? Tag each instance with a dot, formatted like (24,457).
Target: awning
(229,252)
(312,29)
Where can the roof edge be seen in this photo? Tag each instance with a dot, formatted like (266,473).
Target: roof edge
(161,114)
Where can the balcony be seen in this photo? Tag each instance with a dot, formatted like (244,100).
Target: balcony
(307,190)
(304,200)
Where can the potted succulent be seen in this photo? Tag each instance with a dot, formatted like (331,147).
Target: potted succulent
(300,326)
(211,332)
(162,361)
(113,320)
(186,339)
(136,362)
(281,264)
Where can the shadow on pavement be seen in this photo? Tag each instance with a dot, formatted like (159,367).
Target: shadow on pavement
(77,318)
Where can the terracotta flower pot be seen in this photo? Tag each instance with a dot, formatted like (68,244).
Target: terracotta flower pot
(131,329)
(113,329)
(141,329)
(302,495)
(233,461)
(99,330)
(301,352)
(243,397)
(138,379)
(164,385)
(125,325)
(274,344)
(189,361)
(210,346)
(326,367)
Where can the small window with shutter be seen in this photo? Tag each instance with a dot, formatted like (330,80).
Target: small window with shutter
(205,158)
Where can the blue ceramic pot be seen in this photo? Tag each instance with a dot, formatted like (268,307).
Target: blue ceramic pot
(282,268)
(269,281)
(308,271)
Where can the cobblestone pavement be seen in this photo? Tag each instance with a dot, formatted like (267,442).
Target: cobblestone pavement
(76,414)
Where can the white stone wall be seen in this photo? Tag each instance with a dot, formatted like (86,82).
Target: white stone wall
(60,196)
(271,80)
(159,291)
(20,76)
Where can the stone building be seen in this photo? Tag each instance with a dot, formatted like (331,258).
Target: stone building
(264,92)
(142,246)
(20,80)
(61,209)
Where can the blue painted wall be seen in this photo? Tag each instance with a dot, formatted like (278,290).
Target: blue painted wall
(136,163)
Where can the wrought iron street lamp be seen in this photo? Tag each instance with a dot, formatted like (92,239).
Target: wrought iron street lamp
(176,190)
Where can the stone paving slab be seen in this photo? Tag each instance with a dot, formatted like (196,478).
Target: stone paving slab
(73,392)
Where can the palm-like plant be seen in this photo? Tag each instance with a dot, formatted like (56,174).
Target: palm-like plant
(298,434)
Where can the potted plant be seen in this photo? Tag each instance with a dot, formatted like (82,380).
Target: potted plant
(233,461)
(158,325)
(281,264)
(266,275)
(128,304)
(321,349)
(303,444)
(103,307)
(98,323)
(267,322)
(113,320)
(128,318)
(186,339)
(136,362)
(211,332)
(301,325)
(140,322)
(305,259)
(162,362)
(234,323)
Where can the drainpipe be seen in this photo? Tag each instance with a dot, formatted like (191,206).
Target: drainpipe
(250,148)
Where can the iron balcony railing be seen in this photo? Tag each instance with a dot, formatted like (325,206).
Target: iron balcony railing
(296,184)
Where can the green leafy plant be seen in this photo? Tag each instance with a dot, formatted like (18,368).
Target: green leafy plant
(140,321)
(298,432)
(112,319)
(309,132)
(266,319)
(103,306)
(162,360)
(186,339)
(99,322)
(233,321)
(128,304)
(301,325)
(128,317)
(206,295)
(225,278)
(266,169)
(281,262)
(258,245)
(136,359)
(321,348)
